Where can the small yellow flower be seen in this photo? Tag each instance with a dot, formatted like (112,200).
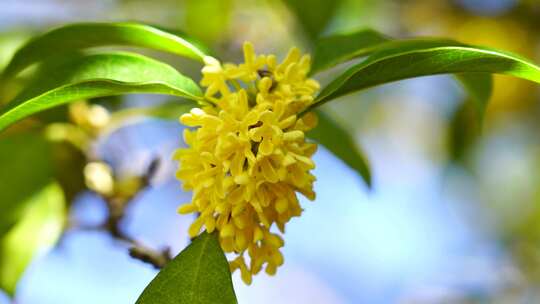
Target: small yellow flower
(247,155)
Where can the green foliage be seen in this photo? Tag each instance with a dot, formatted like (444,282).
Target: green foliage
(340,48)
(464,130)
(466,121)
(32,204)
(74,37)
(95,76)
(413,58)
(479,87)
(208,29)
(336,49)
(313,15)
(25,160)
(340,142)
(39,229)
(10,42)
(198,275)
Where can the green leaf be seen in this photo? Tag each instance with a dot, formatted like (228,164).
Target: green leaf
(463,132)
(210,29)
(413,58)
(198,275)
(340,48)
(313,15)
(31,203)
(340,142)
(10,41)
(38,230)
(333,50)
(97,76)
(479,87)
(73,37)
(26,168)
(466,122)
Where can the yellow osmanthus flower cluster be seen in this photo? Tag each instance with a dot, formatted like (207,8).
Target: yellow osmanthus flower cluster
(247,155)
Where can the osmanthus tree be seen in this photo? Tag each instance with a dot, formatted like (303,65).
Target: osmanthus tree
(253,128)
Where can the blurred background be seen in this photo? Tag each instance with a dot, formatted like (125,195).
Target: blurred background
(444,223)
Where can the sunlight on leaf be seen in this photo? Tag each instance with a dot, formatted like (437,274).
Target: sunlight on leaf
(31,204)
(340,48)
(415,58)
(74,37)
(96,76)
(26,168)
(38,230)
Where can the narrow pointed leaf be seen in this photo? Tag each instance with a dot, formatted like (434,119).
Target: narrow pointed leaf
(340,142)
(336,49)
(73,37)
(32,205)
(198,275)
(339,48)
(415,58)
(463,131)
(26,168)
(313,15)
(38,230)
(479,87)
(97,76)
(466,122)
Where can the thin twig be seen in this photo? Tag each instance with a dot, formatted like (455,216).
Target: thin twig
(116,211)
(157,258)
